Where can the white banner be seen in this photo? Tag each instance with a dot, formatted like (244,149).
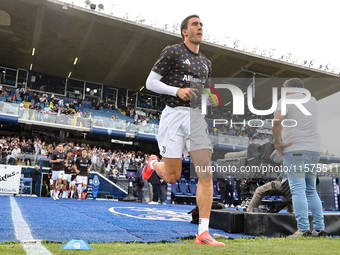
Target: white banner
(9,179)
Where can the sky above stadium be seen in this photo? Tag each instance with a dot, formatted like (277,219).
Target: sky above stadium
(304,29)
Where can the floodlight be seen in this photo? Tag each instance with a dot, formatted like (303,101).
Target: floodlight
(225,41)
(87,3)
(95,90)
(236,43)
(140,19)
(87,89)
(100,7)
(176,27)
(93,6)
(288,56)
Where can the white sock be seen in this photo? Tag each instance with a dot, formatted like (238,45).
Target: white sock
(203,225)
(64,193)
(152,162)
(52,192)
(79,190)
(72,192)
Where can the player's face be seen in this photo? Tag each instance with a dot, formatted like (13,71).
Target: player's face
(195,31)
(83,153)
(60,148)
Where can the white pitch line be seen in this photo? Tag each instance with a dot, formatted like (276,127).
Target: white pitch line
(23,233)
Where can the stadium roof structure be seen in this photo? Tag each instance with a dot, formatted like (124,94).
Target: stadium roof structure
(119,52)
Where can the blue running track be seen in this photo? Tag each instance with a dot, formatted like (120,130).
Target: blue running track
(100,221)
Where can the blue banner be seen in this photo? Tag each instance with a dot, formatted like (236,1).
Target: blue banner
(95,186)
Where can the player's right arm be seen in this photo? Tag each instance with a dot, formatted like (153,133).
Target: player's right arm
(53,159)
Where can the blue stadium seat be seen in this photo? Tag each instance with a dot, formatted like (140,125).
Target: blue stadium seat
(193,186)
(183,186)
(175,189)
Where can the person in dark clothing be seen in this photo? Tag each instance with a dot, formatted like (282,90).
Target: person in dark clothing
(221,188)
(230,190)
(34,174)
(139,182)
(238,190)
(94,103)
(155,181)
(163,188)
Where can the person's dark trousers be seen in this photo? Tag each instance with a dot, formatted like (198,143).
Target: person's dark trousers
(238,190)
(139,193)
(156,192)
(231,192)
(163,188)
(223,193)
(34,183)
(12,161)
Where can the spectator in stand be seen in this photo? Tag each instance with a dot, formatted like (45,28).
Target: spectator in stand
(37,109)
(80,107)
(27,95)
(97,105)
(94,104)
(99,121)
(79,119)
(79,101)
(4,93)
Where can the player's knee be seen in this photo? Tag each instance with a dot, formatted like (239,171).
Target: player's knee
(173,178)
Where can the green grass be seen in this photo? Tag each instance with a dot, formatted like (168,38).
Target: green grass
(10,248)
(237,246)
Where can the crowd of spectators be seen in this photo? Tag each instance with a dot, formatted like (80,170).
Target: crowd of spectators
(103,160)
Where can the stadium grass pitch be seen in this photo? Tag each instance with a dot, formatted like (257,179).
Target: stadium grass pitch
(237,246)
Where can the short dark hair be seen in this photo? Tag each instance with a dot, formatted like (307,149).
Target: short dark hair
(294,83)
(184,24)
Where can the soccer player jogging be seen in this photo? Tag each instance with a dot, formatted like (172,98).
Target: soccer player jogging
(58,161)
(83,166)
(69,166)
(182,127)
